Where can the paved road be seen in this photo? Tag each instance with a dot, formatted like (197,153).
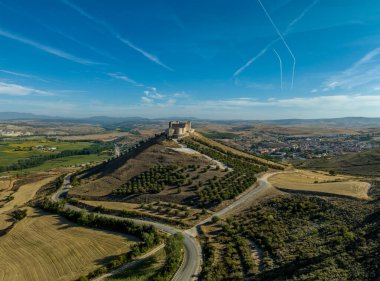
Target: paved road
(190,266)
(249,195)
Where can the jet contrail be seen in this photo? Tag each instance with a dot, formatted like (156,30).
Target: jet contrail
(297,19)
(282,38)
(262,52)
(279,59)
(115,34)
(265,49)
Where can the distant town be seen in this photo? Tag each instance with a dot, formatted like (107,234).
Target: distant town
(289,147)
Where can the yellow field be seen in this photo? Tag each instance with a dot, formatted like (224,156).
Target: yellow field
(45,247)
(320,182)
(5,188)
(25,193)
(4,221)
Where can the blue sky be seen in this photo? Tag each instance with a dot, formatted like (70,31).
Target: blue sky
(256,59)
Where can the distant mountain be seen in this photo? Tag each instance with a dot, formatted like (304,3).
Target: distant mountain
(22,116)
(91,120)
(106,120)
(333,122)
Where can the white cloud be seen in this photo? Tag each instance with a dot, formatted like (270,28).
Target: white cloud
(123,77)
(313,91)
(22,75)
(146,100)
(238,108)
(18,90)
(363,73)
(45,48)
(153,94)
(181,95)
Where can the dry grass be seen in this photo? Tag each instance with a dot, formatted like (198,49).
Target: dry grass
(5,189)
(25,193)
(45,247)
(321,182)
(5,221)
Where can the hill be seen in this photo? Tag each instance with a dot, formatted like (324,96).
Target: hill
(196,171)
(365,163)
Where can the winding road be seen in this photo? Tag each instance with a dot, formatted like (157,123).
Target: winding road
(191,264)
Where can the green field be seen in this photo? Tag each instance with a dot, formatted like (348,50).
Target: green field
(14,149)
(143,271)
(67,162)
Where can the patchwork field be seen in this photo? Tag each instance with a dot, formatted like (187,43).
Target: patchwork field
(14,149)
(46,247)
(320,182)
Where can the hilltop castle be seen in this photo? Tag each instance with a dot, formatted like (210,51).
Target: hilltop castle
(179,129)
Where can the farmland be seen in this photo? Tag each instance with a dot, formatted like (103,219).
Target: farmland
(47,247)
(41,154)
(320,183)
(25,193)
(14,149)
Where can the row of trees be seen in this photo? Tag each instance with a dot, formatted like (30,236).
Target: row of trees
(230,185)
(252,159)
(35,161)
(174,256)
(130,214)
(146,233)
(153,181)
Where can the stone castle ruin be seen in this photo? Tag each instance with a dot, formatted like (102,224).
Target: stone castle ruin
(178,129)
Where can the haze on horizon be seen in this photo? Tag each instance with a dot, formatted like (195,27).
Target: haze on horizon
(257,59)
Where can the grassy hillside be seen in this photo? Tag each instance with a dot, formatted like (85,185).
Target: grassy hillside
(361,164)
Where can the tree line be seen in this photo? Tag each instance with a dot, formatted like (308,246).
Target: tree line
(148,234)
(35,161)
